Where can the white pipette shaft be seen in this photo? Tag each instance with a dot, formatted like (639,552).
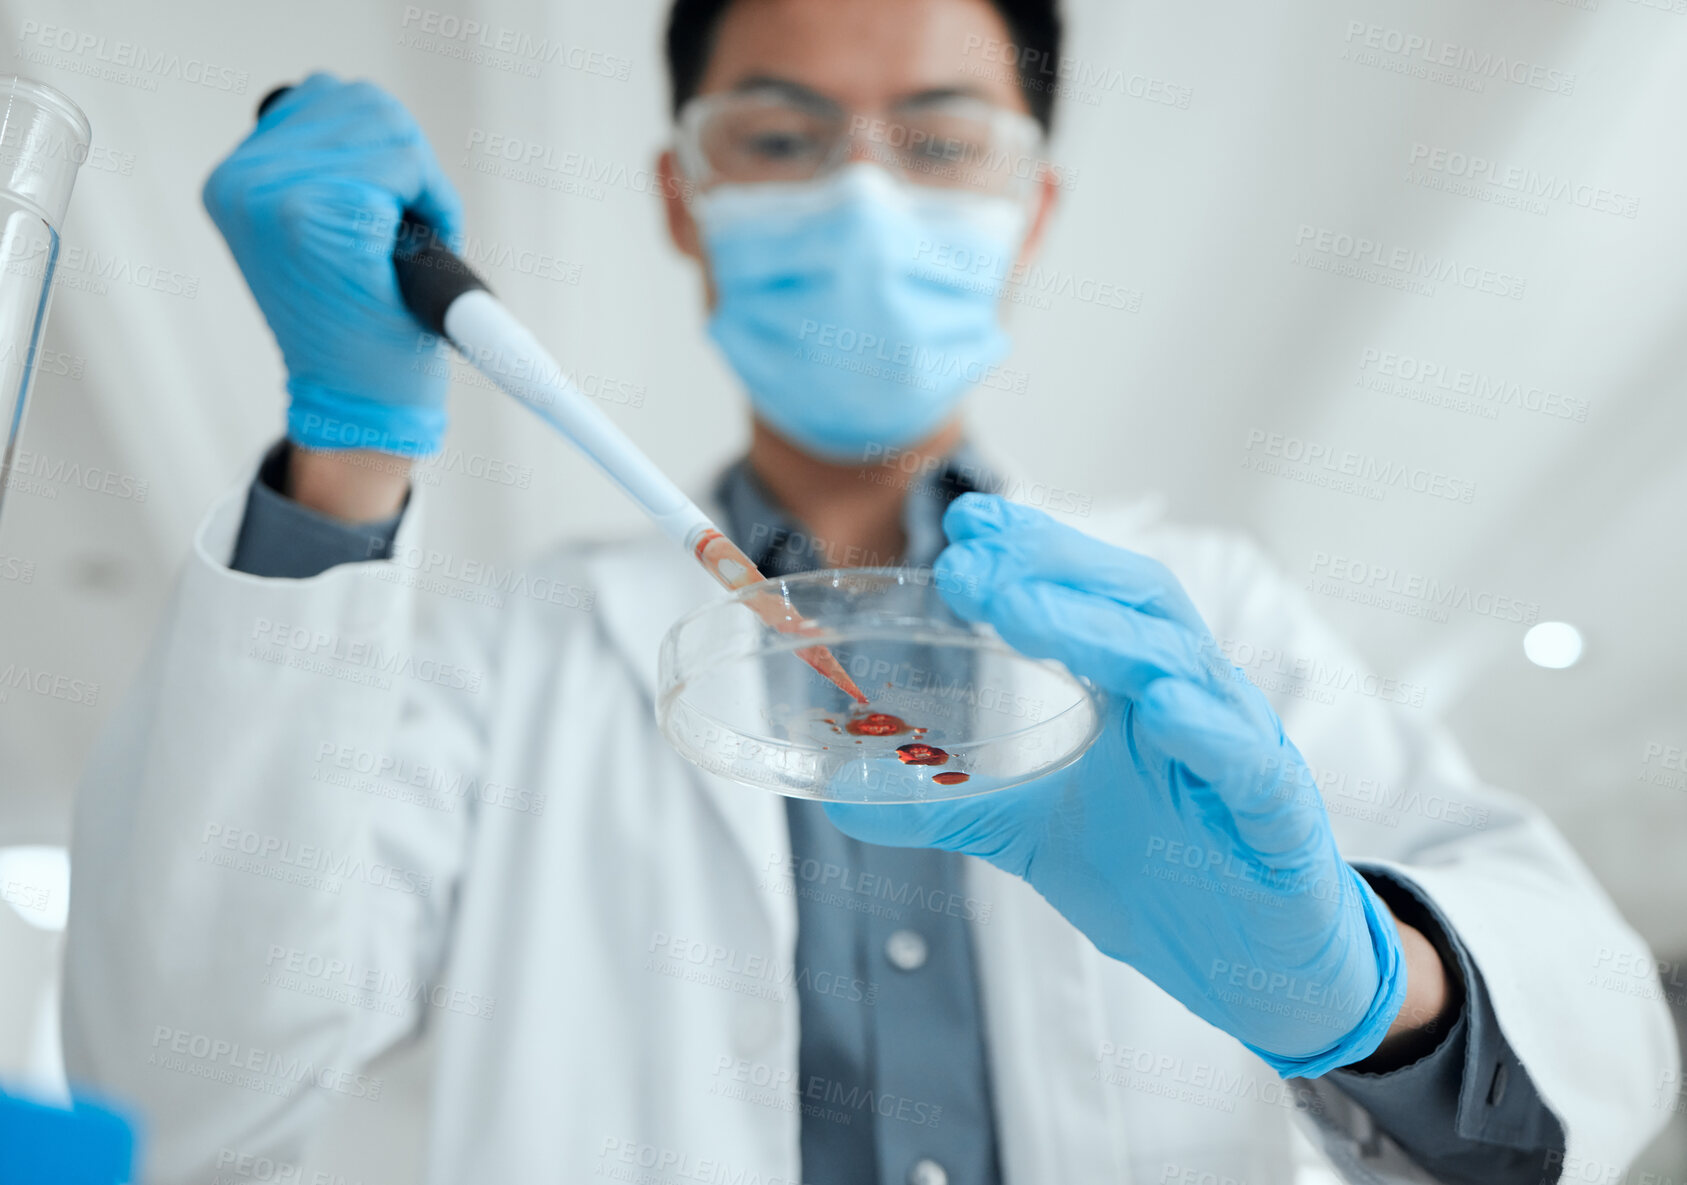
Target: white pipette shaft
(505,351)
(502,348)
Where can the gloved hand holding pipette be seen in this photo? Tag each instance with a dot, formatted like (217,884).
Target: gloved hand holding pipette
(310,204)
(1183,842)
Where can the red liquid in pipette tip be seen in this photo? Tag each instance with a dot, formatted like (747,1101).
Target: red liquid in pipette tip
(721,558)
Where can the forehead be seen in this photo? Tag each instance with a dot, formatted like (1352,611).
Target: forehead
(865,54)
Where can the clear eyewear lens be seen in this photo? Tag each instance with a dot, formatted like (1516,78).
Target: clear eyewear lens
(983,150)
(960,144)
(753,140)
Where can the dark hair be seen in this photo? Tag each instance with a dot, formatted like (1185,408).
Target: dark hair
(1033,28)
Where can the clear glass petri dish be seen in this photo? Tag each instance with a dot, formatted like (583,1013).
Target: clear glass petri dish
(953,710)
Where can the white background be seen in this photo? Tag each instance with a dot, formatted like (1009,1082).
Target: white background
(1198,209)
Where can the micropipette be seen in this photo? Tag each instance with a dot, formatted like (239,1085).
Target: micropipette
(449,299)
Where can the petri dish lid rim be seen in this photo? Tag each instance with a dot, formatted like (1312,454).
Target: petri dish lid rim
(777,643)
(832,576)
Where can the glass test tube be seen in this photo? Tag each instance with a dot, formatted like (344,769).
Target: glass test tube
(44,139)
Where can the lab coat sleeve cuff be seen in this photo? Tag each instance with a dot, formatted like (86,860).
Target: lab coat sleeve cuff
(1467,1110)
(280,538)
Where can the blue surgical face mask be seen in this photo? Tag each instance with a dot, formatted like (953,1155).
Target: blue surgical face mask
(858,309)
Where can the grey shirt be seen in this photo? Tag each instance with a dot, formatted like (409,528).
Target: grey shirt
(904,918)
(893,1077)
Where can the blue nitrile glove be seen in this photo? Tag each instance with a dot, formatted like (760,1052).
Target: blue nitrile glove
(1184,842)
(310,204)
(83,1144)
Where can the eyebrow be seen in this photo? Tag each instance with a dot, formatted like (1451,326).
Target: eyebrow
(796,92)
(807,96)
(938,94)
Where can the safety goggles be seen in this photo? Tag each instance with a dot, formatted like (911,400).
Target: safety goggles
(775,133)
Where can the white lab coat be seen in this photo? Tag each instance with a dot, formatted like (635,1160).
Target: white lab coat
(604,965)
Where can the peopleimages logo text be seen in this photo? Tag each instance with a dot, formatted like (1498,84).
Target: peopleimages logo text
(1408,261)
(1483,63)
(130,58)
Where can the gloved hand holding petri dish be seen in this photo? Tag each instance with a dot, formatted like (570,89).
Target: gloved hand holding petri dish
(952,710)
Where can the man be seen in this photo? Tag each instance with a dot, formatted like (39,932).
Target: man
(1103,975)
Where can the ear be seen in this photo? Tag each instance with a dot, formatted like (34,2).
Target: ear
(676,189)
(1048,196)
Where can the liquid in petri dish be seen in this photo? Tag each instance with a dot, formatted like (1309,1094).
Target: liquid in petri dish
(919,753)
(877,724)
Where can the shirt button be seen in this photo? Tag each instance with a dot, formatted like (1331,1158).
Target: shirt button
(906,950)
(928,1172)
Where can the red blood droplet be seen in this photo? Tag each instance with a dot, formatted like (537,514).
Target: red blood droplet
(951,778)
(920,754)
(877,724)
